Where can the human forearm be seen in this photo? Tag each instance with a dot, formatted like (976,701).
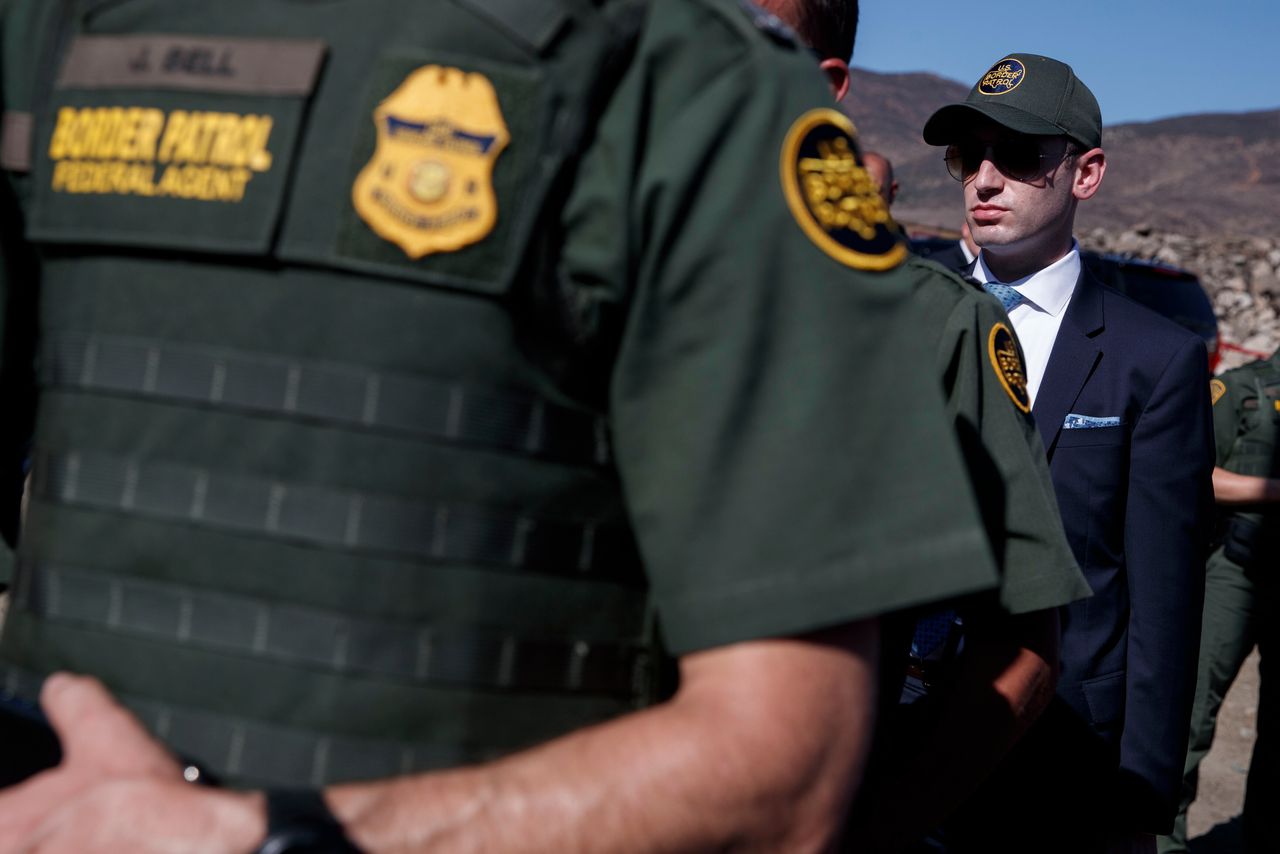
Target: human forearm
(1000,684)
(761,750)
(1233,489)
(731,763)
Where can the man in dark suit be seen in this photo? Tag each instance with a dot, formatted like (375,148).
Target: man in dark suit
(1121,398)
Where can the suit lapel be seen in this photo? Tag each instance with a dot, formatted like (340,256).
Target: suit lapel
(1075,354)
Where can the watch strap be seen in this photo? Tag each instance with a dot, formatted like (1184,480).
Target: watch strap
(299,822)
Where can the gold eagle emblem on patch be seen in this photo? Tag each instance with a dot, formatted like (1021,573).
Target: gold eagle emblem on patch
(835,201)
(429,185)
(1217,388)
(1003,350)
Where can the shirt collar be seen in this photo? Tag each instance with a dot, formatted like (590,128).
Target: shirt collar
(1049,289)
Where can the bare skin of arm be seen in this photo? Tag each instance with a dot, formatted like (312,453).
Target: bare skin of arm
(761,749)
(1001,683)
(1233,489)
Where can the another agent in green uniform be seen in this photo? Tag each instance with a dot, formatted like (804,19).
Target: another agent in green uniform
(1240,604)
(416,382)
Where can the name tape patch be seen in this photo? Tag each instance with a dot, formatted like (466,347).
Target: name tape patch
(833,198)
(1007,363)
(429,185)
(233,65)
(1005,76)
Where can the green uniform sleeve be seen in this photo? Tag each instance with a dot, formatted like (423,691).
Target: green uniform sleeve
(780,439)
(1002,450)
(1228,393)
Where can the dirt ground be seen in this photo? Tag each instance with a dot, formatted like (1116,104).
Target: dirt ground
(1213,821)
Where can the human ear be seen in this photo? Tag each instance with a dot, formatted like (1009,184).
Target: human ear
(1091,165)
(837,71)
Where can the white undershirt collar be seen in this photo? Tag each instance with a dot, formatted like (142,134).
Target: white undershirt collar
(1048,290)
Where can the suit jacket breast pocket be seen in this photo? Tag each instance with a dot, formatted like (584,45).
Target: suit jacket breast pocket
(1093,436)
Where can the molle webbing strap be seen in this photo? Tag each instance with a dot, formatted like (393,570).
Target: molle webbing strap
(291,634)
(342,519)
(535,23)
(269,754)
(16,129)
(344,395)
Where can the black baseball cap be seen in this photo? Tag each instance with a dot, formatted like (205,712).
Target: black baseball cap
(1025,93)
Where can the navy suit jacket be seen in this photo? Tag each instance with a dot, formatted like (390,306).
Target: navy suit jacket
(1137,502)
(952,257)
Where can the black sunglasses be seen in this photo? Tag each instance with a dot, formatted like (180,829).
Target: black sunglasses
(1020,159)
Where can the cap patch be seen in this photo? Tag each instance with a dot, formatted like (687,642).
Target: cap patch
(835,201)
(1003,351)
(1217,388)
(429,185)
(1005,76)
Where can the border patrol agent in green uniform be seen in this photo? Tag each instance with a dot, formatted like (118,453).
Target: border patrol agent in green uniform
(416,378)
(1240,595)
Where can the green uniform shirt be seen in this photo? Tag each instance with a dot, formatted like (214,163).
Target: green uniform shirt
(1002,449)
(777,447)
(780,448)
(1238,403)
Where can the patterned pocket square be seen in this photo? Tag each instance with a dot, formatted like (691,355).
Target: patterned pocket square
(1085,422)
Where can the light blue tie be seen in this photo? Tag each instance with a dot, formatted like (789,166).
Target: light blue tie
(1009,297)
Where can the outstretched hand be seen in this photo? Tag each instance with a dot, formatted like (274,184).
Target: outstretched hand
(117,788)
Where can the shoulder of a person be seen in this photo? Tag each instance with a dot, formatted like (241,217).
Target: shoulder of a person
(1160,336)
(1239,381)
(936,284)
(939,281)
(737,20)
(938,295)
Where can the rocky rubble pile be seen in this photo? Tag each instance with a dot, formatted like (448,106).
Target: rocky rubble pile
(1242,277)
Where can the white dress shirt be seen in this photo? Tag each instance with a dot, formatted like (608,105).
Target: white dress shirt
(1045,295)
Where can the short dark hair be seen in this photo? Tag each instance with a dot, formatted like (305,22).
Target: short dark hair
(830,27)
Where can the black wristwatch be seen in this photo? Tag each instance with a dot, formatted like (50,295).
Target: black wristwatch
(299,822)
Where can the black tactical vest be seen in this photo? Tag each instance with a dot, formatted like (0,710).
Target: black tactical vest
(1253,539)
(321,488)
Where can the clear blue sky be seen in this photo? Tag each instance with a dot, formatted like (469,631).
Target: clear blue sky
(1144,59)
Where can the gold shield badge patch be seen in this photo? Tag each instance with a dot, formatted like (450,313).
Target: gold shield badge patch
(429,185)
(1003,351)
(1217,388)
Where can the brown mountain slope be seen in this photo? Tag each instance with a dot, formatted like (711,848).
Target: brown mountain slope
(1201,175)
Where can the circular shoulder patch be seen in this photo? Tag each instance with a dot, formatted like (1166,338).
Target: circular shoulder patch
(1003,351)
(1217,388)
(1005,76)
(835,200)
